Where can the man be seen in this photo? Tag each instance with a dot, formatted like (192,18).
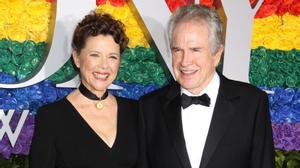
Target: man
(227,127)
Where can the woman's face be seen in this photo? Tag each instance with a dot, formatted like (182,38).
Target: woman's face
(98,62)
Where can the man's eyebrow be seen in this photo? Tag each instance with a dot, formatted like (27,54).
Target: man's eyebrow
(175,47)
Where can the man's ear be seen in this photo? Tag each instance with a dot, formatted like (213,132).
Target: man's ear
(217,56)
(75,57)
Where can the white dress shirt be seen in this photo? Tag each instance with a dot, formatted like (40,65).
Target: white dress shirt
(196,121)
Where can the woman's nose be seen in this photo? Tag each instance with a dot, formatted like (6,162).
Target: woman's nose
(103,62)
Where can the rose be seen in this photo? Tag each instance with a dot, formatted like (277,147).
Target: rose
(174,4)
(295,8)
(116,3)
(266,10)
(208,3)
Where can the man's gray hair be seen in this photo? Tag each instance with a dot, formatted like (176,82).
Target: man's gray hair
(199,13)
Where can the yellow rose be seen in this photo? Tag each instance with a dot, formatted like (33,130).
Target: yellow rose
(276,32)
(133,31)
(38,8)
(16,32)
(23,20)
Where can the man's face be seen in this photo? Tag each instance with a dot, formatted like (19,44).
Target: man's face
(192,59)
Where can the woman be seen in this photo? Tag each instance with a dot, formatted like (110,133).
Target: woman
(90,128)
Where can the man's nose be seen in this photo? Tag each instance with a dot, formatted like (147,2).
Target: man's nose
(186,59)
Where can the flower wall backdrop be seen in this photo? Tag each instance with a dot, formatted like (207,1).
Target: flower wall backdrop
(275,66)
(22,48)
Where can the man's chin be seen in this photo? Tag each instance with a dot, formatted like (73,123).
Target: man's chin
(187,86)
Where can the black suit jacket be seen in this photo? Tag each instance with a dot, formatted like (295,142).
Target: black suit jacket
(240,133)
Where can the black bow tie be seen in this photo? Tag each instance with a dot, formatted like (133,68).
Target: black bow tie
(186,101)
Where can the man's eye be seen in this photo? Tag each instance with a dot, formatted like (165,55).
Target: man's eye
(196,50)
(176,50)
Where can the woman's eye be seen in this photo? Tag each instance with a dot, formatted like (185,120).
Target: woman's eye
(94,55)
(114,57)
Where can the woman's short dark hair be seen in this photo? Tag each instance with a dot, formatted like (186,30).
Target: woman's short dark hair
(95,24)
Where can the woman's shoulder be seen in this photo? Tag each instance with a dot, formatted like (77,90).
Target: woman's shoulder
(53,108)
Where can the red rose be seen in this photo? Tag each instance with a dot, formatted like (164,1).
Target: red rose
(283,9)
(50,1)
(287,2)
(208,3)
(273,2)
(265,11)
(117,3)
(253,3)
(100,2)
(174,4)
(295,8)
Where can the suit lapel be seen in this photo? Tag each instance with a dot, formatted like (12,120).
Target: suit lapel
(172,115)
(223,112)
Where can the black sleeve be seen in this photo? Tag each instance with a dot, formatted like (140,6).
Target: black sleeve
(42,152)
(262,155)
(142,160)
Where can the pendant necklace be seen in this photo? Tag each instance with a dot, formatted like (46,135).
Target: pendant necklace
(88,94)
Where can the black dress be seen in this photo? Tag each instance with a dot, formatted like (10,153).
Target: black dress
(63,139)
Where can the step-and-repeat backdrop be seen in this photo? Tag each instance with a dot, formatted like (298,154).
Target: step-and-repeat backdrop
(262,47)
